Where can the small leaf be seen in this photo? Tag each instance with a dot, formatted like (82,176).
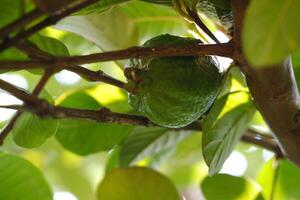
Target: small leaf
(31,131)
(271,31)
(223,127)
(136,183)
(143,142)
(226,187)
(21,180)
(286,185)
(50,45)
(86,137)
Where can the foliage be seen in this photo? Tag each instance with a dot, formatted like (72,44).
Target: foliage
(89,132)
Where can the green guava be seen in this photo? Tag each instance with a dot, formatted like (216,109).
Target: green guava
(173,91)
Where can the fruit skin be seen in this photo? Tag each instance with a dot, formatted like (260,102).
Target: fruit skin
(173,91)
(49,6)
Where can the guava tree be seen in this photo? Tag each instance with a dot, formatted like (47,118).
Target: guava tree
(153,94)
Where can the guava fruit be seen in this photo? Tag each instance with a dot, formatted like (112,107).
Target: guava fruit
(172,91)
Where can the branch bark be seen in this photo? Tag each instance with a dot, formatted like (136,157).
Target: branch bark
(274,91)
(52,19)
(44,109)
(34,52)
(198,49)
(38,88)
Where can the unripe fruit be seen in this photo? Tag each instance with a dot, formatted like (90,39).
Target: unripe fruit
(173,91)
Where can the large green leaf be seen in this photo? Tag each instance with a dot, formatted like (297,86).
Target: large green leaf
(285,185)
(223,127)
(271,31)
(136,183)
(226,187)
(21,180)
(125,26)
(86,137)
(31,131)
(144,142)
(9,11)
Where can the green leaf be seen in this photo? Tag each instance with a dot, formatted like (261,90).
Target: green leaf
(136,21)
(86,137)
(143,142)
(21,180)
(285,185)
(31,131)
(9,11)
(114,160)
(136,183)
(12,54)
(101,6)
(223,127)
(226,187)
(271,31)
(50,45)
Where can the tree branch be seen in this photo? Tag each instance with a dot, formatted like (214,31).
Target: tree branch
(44,109)
(225,50)
(262,140)
(52,19)
(34,52)
(274,90)
(38,88)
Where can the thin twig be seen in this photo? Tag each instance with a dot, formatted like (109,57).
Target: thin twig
(34,52)
(225,50)
(99,75)
(199,22)
(20,93)
(52,19)
(263,140)
(44,109)
(38,88)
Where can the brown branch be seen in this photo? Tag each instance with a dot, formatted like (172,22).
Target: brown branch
(274,90)
(105,115)
(34,52)
(19,93)
(262,140)
(44,109)
(198,21)
(51,20)
(225,50)
(99,75)
(38,88)
(20,22)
